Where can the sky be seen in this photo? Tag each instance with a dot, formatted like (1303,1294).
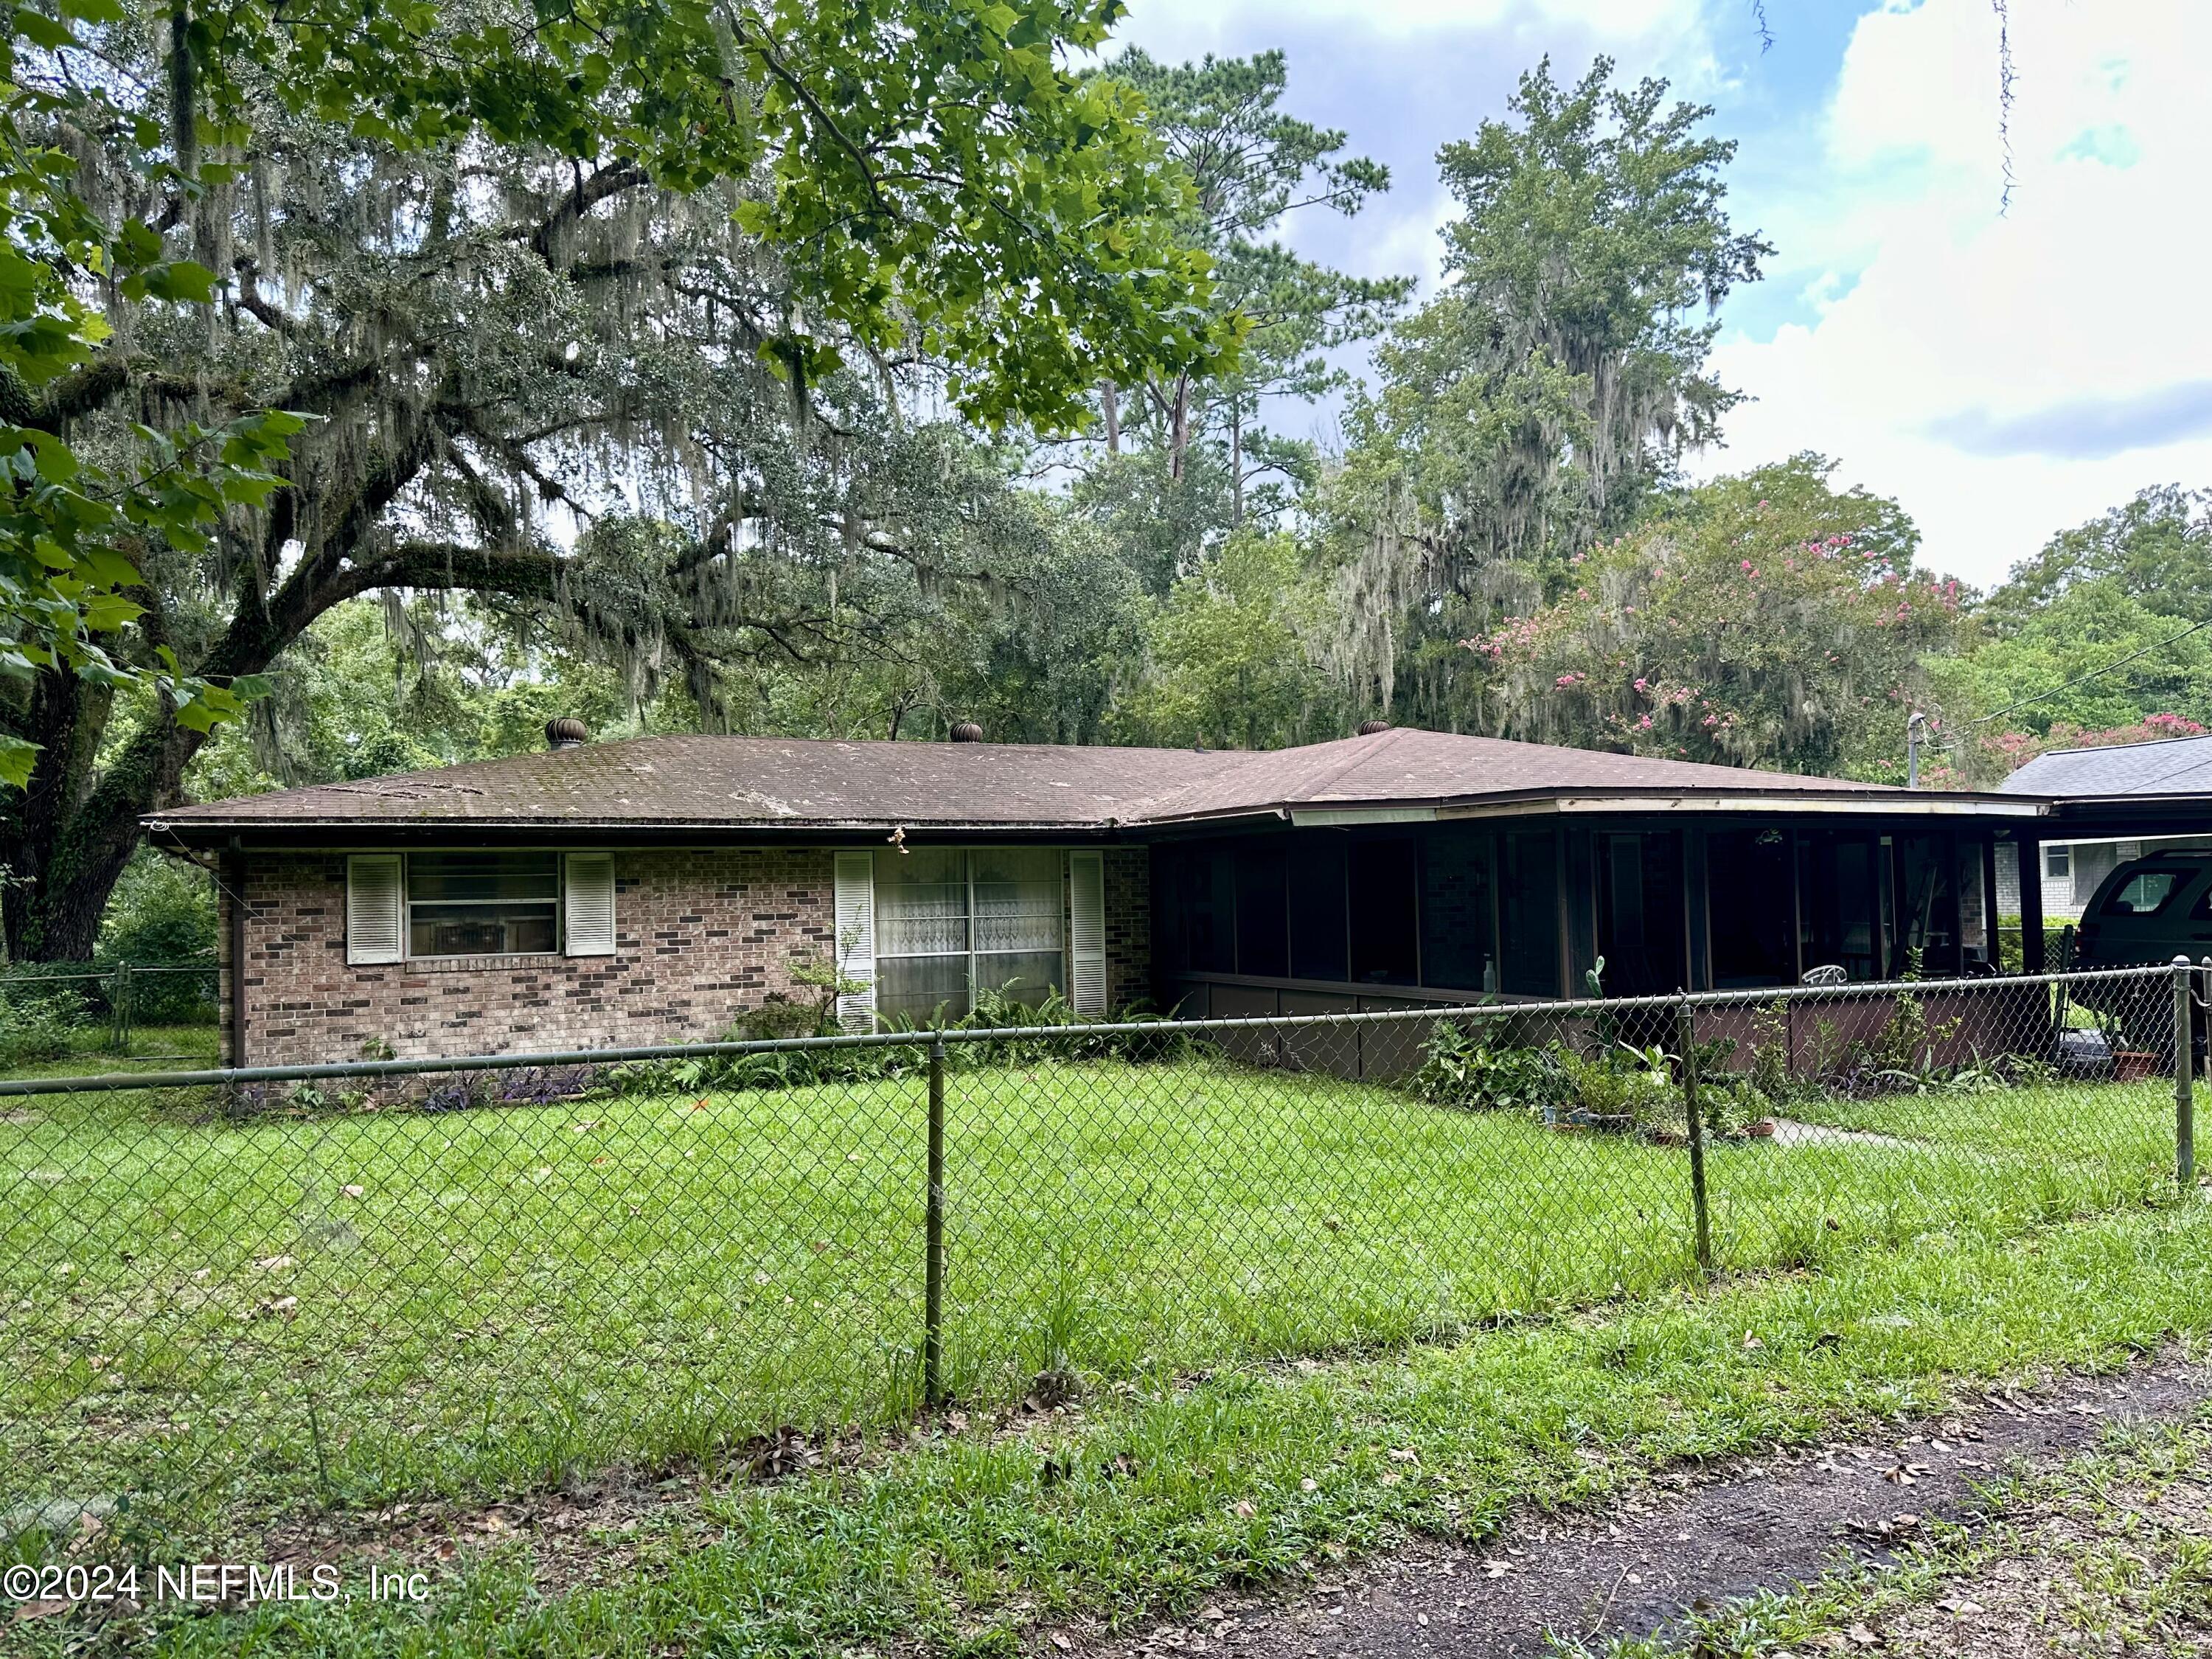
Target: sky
(2004,369)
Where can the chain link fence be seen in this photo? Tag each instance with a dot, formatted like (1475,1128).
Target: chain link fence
(224,1295)
(141,1011)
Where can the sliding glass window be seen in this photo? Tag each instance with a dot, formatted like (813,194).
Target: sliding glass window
(950,923)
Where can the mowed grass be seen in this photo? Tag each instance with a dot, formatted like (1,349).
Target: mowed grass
(190,1047)
(359,1306)
(991,1537)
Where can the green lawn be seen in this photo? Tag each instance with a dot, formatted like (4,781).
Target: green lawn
(982,1540)
(171,1048)
(373,1304)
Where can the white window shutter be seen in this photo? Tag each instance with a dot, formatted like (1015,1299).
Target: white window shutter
(856,940)
(588,905)
(1086,916)
(376,910)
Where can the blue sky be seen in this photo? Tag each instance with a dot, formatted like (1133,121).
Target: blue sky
(2004,374)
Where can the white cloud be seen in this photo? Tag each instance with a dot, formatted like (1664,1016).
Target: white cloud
(2004,376)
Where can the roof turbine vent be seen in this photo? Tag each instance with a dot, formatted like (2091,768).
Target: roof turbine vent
(1369,728)
(967,731)
(567,732)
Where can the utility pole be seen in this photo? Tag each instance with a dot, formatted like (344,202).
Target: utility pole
(1913,728)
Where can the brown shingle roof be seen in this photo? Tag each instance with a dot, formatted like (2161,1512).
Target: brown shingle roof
(766,784)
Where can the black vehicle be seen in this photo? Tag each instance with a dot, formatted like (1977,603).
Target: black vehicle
(2150,909)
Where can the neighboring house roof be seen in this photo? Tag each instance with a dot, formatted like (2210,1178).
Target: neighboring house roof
(2171,766)
(779,786)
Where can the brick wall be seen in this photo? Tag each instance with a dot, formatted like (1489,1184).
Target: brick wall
(1128,874)
(701,934)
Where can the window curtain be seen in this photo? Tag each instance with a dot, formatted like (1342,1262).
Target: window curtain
(951,923)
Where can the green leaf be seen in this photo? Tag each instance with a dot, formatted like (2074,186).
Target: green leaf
(17,758)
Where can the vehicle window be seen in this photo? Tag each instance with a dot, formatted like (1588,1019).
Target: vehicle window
(2143,894)
(2202,910)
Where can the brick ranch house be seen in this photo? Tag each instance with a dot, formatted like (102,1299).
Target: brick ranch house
(657,888)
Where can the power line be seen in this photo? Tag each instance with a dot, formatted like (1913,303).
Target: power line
(2083,679)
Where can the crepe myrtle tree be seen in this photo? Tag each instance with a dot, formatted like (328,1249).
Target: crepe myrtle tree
(307,301)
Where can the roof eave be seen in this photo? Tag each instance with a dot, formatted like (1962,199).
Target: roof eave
(335,832)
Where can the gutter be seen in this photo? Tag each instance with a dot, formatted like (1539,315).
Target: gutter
(325,832)
(1899,804)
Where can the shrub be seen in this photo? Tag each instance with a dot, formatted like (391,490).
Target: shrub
(1623,1088)
(2011,955)
(162,913)
(1460,1069)
(38,1020)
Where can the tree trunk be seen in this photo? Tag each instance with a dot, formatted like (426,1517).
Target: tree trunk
(1236,464)
(1179,426)
(67,839)
(1110,402)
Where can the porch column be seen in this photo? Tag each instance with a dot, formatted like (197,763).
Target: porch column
(2031,901)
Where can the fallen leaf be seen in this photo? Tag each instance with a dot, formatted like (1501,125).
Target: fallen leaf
(1061,1642)
(272,1263)
(1404,1454)
(353,1191)
(1310,1485)
(1859,1636)
(1751,1342)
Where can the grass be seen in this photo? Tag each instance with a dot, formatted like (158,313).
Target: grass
(170,1047)
(972,1541)
(369,1305)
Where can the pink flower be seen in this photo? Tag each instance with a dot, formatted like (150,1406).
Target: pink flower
(1642,685)
(1645,724)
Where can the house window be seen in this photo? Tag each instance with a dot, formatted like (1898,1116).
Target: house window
(2058,863)
(477,904)
(950,923)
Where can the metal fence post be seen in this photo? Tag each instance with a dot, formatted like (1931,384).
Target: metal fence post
(121,1011)
(932,1295)
(1686,1026)
(2184,1076)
